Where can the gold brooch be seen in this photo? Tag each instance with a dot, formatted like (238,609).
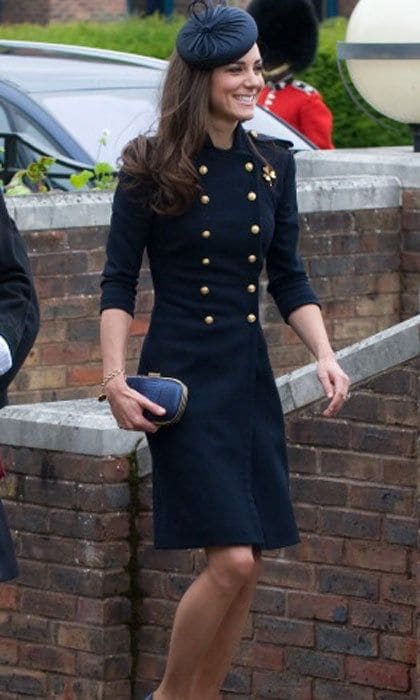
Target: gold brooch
(269,174)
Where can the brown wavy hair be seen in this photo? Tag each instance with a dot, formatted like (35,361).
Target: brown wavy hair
(161,167)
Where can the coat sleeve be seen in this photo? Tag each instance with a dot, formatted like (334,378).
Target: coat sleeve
(288,281)
(19,318)
(128,236)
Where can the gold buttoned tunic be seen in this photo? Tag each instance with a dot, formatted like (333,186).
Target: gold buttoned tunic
(220,475)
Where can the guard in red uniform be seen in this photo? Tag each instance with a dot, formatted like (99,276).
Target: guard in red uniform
(288,39)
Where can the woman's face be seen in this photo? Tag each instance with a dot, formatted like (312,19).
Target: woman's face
(234,88)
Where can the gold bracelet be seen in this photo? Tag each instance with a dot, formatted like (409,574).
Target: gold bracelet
(114,373)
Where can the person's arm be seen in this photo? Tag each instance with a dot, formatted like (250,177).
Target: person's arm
(130,227)
(295,299)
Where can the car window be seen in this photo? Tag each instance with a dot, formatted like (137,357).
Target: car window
(23,124)
(124,113)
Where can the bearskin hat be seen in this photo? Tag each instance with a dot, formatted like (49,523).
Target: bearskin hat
(288,31)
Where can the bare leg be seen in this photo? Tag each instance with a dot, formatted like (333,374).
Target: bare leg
(215,665)
(199,615)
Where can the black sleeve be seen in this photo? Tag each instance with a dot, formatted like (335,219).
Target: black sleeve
(288,281)
(19,318)
(130,227)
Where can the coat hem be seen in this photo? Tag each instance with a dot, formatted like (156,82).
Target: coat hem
(263,545)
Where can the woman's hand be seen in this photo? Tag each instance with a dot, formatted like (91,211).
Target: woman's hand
(335,382)
(127,407)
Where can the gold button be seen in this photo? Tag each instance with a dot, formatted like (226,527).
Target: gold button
(206,234)
(255,229)
(209,320)
(252,196)
(254,133)
(252,258)
(249,167)
(204,290)
(204,199)
(206,261)
(203,169)
(251,288)
(251,318)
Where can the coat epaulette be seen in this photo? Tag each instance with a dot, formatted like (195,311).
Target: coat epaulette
(264,138)
(305,87)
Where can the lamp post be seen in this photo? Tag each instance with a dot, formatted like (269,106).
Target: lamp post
(382,52)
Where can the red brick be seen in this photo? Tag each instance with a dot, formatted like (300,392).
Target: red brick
(317,607)
(345,640)
(383,440)
(351,465)
(381,617)
(269,600)
(370,555)
(351,524)
(306,517)
(402,649)
(157,612)
(378,674)
(45,658)
(8,652)
(48,604)
(286,574)
(349,582)
(84,375)
(381,499)
(24,682)
(328,690)
(328,433)
(325,550)
(281,686)
(314,663)
(82,637)
(399,589)
(283,631)
(8,597)
(255,655)
(323,491)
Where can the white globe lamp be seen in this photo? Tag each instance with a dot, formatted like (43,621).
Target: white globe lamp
(382,52)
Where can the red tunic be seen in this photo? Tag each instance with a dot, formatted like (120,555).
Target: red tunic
(302,106)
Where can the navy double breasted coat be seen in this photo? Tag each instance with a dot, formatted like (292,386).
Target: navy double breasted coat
(220,475)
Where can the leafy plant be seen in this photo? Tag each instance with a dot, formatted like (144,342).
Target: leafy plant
(102,175)
(36,173)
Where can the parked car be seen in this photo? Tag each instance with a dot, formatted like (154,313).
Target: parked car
(58,100)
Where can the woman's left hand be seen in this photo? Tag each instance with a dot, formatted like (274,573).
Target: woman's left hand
(335,382)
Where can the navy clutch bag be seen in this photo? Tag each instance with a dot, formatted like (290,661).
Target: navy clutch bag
(168,392)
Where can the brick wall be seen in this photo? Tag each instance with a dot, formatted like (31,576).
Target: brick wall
(334,617)
(353,259)
(44,11)
(410,259)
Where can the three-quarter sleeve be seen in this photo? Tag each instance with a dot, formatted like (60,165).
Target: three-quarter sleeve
(130,227)
(288,281)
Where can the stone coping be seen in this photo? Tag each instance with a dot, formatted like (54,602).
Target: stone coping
(330,192)
(87,427)
(401,163)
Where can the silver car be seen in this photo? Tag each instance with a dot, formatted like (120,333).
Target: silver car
(83,105)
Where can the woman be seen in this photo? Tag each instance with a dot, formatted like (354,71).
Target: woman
(210,203)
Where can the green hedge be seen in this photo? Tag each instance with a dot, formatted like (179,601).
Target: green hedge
(153,36)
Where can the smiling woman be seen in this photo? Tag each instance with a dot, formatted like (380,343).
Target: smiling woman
(234,89)
(211,203)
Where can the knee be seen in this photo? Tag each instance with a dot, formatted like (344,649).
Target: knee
(234,567)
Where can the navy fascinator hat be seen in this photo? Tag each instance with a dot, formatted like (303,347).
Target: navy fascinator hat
(215,35)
